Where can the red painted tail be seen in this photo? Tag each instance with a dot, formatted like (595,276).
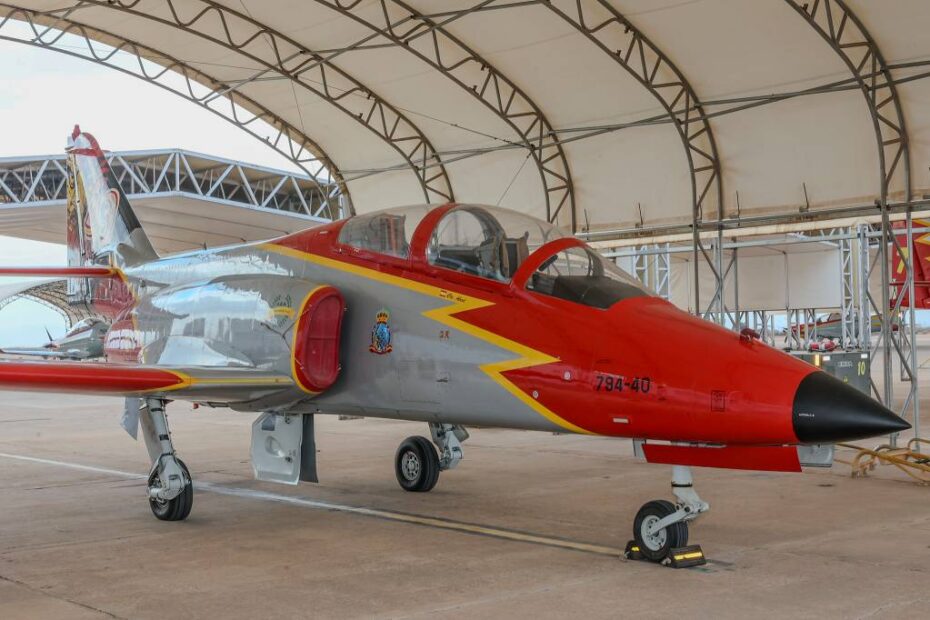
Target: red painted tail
(920,254)
(102,228)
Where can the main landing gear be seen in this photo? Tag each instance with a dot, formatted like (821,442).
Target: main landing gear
(660,530)
(170,490)
(417,464)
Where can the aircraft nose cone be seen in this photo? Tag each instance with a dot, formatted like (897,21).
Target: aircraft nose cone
(826,410)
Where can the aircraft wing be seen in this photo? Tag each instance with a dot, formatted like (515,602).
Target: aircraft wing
(36,352)
(196,384)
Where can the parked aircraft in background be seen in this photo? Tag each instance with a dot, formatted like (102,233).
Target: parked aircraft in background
(831,326)
(81,342)
(450,315)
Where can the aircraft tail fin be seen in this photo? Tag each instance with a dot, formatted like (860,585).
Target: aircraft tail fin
(920,255)
(102,228)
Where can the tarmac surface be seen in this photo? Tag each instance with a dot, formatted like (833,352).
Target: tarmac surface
(529,525)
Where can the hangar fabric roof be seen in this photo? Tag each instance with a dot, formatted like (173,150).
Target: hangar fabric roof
(599,114)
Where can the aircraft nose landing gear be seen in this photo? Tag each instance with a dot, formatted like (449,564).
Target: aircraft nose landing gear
(660,530)
(653,540)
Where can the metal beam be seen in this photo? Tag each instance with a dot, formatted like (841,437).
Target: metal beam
(835,22)
(606,27)
(159,69)
(730,105)
(42,180)
(429,40)
(285,58)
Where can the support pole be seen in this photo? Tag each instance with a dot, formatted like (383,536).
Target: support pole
(912,324)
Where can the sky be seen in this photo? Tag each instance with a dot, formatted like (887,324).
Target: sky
(43,94)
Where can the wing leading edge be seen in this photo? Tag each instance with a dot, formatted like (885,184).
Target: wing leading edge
(37,352)
(226,384)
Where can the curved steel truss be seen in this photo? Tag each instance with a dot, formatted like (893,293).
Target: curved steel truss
(432,43)
(848,37)
(53,33)
(613,33)
(284,58)
(836,23)
(54,296)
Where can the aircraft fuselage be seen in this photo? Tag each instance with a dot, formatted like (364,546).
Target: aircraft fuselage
(463,350)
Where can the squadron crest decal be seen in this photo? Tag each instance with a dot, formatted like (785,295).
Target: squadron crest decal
(281,310)
(381,334)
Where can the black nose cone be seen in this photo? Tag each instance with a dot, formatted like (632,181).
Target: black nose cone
(826,410)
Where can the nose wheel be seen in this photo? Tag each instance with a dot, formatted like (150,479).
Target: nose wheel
(660,530)
(655,543)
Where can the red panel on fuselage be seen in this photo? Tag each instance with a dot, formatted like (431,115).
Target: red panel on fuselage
(757,458)
(685,361)
(316,348)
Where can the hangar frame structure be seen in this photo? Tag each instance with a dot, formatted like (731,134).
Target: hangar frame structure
(153,173)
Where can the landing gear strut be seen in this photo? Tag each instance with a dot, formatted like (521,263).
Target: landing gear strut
(660,530)
(416,463)
(170,491)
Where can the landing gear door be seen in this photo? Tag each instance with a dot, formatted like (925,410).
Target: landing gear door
(283,448)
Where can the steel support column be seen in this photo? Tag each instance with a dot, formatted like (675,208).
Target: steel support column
(651,266)
(850,337)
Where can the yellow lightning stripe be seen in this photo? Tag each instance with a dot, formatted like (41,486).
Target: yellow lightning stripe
(905,252)
(460,303)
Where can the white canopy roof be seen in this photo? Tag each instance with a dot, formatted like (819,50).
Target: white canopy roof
(494,101)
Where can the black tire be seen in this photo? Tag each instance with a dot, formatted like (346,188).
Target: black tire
(176,509)
(657,547)
(416,465)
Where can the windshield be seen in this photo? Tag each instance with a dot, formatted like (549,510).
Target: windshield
(487,241)
(585,277)
(385,232)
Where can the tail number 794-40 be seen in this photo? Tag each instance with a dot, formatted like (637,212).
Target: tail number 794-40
(604,382)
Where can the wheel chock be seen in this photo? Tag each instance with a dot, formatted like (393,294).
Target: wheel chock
(680,557)
(686,557)
(632,551)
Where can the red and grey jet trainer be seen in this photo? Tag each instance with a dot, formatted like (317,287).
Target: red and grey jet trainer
(454,315)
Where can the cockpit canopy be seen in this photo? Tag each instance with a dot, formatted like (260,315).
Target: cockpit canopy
(487,241)
(492,243)
(83,326)
(385,232)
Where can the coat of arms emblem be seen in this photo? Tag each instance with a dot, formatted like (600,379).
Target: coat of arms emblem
(381,334)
